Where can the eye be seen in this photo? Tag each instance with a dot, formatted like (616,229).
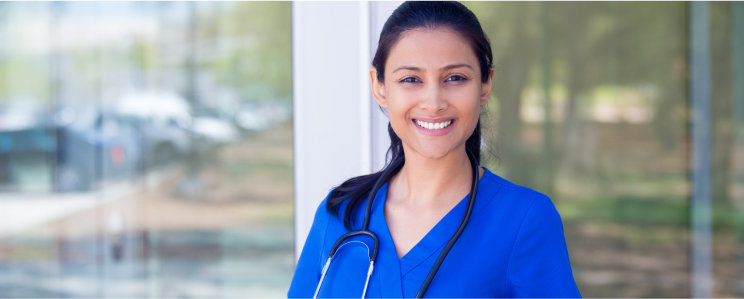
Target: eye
(410,80)
(456,78)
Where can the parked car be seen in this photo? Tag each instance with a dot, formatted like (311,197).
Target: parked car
(257,117)
(84,145)
(163,121)
(251,119)
(97,145)
(217,128)
(21,137)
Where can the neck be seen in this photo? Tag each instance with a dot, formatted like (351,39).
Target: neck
(429,182)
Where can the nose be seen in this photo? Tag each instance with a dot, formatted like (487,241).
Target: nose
(433,100)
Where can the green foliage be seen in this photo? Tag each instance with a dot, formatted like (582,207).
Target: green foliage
(245,47)
(260,61)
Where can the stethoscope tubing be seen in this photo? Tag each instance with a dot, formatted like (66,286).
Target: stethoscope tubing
(364,231)
(393,169)
(460,229)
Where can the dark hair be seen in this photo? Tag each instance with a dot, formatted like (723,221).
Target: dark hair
(413,15)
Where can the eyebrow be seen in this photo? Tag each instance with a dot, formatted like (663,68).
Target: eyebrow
(443,69)
(410,68)
(454,66)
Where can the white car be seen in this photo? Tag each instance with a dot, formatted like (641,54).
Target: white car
(214,127)
(164,119)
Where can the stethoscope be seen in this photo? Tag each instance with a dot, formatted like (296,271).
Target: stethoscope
(396,165)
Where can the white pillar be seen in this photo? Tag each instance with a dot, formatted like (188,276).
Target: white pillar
(331,111)
(339,131)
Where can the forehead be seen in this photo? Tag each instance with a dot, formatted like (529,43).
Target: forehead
(430,48)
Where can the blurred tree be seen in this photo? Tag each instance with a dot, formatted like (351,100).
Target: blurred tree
(192,45)
(592,45)
(578,42)
(258,59)
(547,182)
(721,100)
(514,32)
(737,52)
(4,65)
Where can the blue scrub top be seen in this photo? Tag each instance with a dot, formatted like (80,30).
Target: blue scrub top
(513,246)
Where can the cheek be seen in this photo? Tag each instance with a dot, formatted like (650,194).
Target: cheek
(466,101)
(469,120)
(398,106)
(469,111)
(397,115)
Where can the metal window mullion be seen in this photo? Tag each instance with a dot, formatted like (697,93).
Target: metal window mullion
(700,112)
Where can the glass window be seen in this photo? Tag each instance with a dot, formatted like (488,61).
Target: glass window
(589,106)
(727,105)
(145,149)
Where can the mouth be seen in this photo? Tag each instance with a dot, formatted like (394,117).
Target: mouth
(433,124)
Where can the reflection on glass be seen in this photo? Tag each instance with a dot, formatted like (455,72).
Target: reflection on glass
(145,149)
(727,70)
(590,107)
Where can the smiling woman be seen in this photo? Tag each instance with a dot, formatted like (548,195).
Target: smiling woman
(435,223)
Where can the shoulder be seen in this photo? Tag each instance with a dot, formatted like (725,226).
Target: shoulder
(521,202)
(324,218)
(539,266)
(322,213)
(515,194)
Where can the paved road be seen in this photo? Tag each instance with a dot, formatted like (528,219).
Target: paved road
(181,261)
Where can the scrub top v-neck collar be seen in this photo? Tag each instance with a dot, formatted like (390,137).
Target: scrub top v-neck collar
(393,269)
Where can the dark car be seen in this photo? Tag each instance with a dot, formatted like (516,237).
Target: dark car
(97,146)
(93,146)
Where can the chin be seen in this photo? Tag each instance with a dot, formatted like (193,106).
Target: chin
(434,153)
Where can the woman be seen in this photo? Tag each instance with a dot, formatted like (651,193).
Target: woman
(433,73)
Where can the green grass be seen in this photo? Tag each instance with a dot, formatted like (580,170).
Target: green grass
(627,210)
(644,211)
(247,167)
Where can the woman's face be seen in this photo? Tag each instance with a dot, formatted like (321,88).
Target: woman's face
(432,91)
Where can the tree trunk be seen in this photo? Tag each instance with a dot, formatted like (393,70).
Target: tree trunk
(514,68)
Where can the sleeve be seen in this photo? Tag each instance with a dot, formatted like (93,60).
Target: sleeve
(539,266)
(307,273)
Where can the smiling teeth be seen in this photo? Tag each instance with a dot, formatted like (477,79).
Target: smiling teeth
(433,126)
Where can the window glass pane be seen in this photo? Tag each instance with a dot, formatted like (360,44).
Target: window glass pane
(727,99)
(589,106)
(145,149)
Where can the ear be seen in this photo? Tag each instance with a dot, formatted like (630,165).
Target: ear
(378,88)
(486,88)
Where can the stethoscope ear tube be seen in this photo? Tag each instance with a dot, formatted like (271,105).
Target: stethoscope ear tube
(460,229)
